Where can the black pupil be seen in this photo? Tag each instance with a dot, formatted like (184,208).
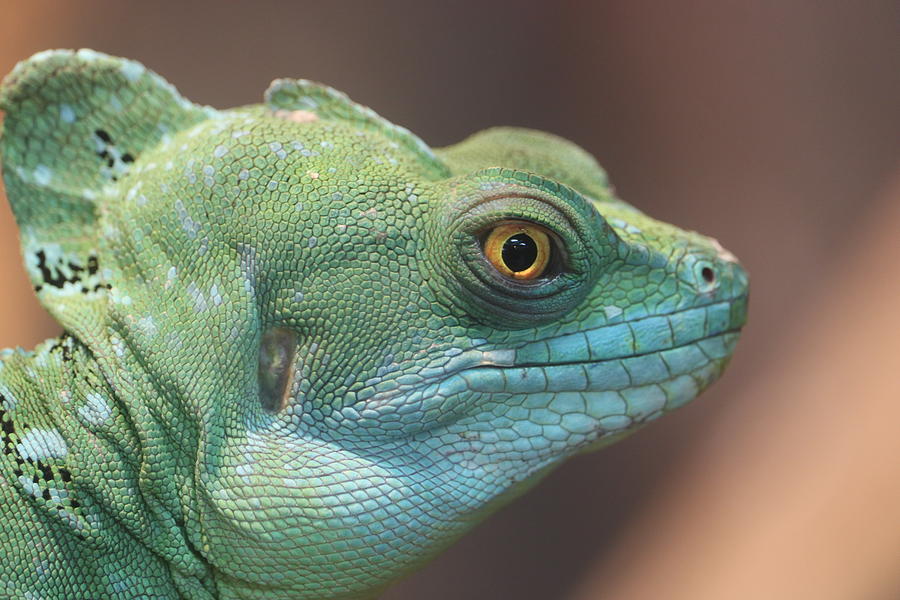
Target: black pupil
(519,252)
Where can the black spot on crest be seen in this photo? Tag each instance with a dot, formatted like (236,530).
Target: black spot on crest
(54,273)
(100,133)
(116,161)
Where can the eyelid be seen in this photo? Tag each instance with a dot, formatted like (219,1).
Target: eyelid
(485,293)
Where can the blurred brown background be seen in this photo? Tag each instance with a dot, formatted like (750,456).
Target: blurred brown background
(773,126)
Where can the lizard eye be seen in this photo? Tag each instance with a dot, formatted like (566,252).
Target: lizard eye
(518,249)
(521,255)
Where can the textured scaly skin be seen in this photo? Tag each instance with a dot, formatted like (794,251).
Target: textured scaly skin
(288,369)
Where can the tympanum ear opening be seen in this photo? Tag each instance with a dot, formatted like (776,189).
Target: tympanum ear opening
(277,351)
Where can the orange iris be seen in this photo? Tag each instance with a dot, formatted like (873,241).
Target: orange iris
(518,249)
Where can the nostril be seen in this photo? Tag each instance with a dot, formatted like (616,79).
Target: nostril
(708,275)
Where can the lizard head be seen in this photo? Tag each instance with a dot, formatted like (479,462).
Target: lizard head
(362,346)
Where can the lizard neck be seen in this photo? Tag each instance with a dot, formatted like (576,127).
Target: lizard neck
(83,446)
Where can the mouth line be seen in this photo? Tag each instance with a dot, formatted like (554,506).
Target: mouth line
(581,376)
(506,364)
(672,313)
(604,360)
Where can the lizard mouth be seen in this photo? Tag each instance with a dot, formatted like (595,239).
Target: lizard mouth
(666,377)
(657,362)
(604,399)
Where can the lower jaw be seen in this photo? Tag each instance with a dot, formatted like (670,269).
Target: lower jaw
(620,396)
(588,406)
(647,403)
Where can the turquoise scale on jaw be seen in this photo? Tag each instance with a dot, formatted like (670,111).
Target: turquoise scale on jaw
(292,370)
